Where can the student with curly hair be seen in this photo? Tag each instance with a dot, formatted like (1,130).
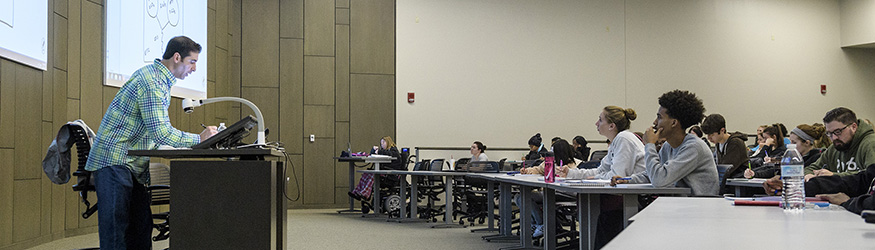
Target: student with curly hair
(684,160)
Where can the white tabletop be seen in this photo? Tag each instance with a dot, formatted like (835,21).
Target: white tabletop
(714,223)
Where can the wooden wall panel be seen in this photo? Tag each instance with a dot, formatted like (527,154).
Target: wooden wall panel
(46,136)
(341,73)
(372,36)
(319,121)
(59,42)
(292,94)
(372,112)
(6,194)
(260,44)
(74,59)
(292,19)
(92,109)
(267,99)
(318,172)
(295,174)
(319,27)
(26,210)
(7,102)
(318,79)
(27,124)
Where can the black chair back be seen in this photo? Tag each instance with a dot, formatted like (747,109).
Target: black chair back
(598,155)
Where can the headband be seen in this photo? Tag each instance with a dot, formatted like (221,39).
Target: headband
(802,135)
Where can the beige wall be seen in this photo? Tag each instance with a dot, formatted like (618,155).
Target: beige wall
(531,66)
(311,66)
(858,23)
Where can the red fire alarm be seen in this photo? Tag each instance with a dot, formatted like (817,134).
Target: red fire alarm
(410,98)
(823,89)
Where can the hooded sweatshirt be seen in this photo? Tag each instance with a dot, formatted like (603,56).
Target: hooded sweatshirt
(733,152)
(856,158)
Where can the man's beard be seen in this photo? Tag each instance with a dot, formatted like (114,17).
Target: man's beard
(841,146)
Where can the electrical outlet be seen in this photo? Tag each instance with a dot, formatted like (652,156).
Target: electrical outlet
(312,138)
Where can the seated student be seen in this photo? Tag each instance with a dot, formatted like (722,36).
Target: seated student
(728,148)
(772,146)
(477,152)
(362,191)
(853,192)
(696,130)
(810,141)
(853,145)
(581,151)
(563,159)
(625,154)
(755,148)
(536,148)
(784,133)
(625,157)
(684,160)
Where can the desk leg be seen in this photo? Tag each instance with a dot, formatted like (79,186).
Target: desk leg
(737,191)
(377,202)
(490,206)
(448,207)
(402,213)
(630,207)
(549,239)
(351,186)
(504,214)
(414,197)
(587,215)
(525,218)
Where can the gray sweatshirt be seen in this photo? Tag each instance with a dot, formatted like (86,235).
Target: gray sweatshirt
(688,165)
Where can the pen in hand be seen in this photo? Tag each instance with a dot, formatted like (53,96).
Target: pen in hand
(202,125)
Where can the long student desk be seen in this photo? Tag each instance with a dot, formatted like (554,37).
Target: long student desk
(587,203)
(448,190)
(738,183)
(352,160)
(714,223)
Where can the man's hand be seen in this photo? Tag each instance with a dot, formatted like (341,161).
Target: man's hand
(616,180)
(837,199)
(823,172)
(773,186)
(809,176)
(209,131)
(651,136)
(748,173)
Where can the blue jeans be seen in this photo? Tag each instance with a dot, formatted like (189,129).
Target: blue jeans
(124,216)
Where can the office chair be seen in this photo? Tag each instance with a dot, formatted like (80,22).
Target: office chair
(598,155)
(84,182)
(159,191)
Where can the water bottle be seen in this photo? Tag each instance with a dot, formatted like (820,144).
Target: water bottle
(548,169)
(221,127)
(793,176)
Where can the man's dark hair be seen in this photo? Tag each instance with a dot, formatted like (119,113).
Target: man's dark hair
(713,123)
(840,114)
(182,45)
(684,106)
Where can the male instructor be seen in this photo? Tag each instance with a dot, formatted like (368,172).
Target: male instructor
(135,120)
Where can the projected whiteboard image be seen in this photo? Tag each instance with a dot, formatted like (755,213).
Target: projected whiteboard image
(24,32)
(137,33)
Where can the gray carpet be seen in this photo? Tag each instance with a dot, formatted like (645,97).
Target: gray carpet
(325,229)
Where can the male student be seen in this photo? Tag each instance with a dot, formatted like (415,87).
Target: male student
(137,119)
(853,145)
(728,148)
(853,192)
(684,160)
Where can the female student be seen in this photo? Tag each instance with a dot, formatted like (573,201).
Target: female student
(625,154)
(563,158)
(810,141)
(763,163)
(362,191)
(477,150)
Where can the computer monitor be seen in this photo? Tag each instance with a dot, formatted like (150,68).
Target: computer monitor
(230,137)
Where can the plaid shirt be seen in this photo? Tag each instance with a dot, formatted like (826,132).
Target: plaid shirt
(137,119)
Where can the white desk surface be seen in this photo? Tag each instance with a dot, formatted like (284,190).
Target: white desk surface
(714,223)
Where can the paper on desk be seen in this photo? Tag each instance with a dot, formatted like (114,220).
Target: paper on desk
(378,156)
(168,147)
(643,185)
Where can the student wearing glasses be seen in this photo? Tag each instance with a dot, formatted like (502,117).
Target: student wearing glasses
(853,145)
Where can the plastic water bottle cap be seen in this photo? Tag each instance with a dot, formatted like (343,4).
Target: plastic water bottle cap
(791,146)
